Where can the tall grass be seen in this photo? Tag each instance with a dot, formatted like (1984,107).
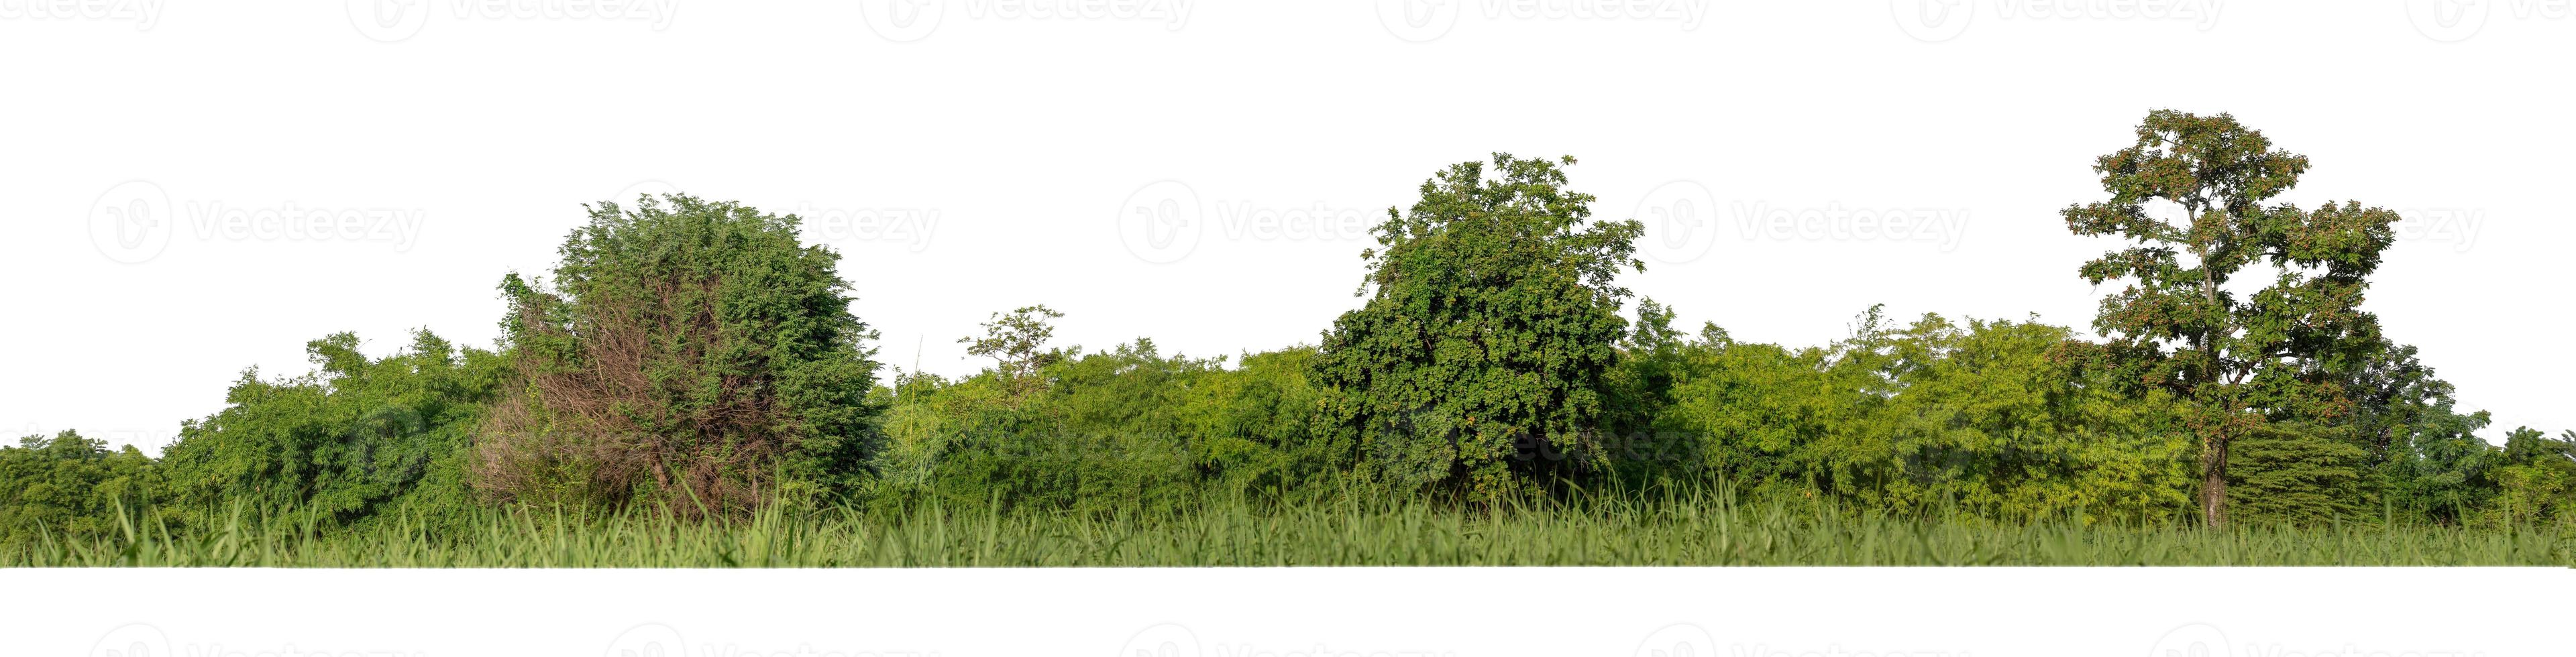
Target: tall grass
(1702,529)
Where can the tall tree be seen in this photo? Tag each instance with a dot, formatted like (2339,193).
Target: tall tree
(1494,321)
(2189,197)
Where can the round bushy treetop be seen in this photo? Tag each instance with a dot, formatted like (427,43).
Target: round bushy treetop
(2196,186)
(689,347)
(1482,351)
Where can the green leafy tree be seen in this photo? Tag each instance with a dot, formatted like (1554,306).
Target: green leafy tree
(352,439)
(69,487)
(1017,343)
(1484,348)
(2425,457)
(2537,481)
(687,349)
(1990,418)
(2189,197)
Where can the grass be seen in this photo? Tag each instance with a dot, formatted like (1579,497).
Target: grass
(1701,530)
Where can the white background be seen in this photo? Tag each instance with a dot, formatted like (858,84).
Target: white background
(1014,139)
(1313,612)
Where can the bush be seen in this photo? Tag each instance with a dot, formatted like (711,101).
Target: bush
(352,439)
(68,487)
(1478,366)
(689,351)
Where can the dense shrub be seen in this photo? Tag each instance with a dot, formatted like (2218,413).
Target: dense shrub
(1478,364)
(69,488)
(691,351)
(1128,428)
(1991,418)
(354,438)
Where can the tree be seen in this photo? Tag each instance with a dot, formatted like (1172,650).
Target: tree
(69,487)
(689,349)
(345,442)
(1017,343)
(1494,319)
(2239,362)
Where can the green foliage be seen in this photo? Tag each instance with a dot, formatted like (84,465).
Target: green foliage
(68,487)
(1484,351)
(692,390)
(353,438)
(2291,472)
(2177,325)
(1125,428)
(1016,342)
(689,350)
(2537,482)
(1992,418)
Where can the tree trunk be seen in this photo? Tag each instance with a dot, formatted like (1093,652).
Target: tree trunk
(2213,482)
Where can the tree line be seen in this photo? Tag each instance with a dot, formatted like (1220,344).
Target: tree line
(695,358)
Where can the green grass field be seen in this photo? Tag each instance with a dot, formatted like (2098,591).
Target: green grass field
(1661,533)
